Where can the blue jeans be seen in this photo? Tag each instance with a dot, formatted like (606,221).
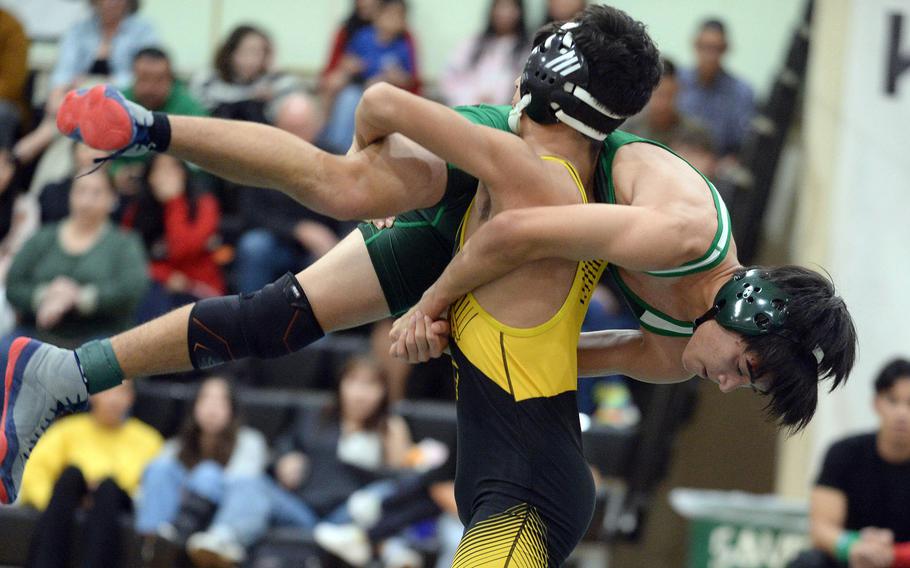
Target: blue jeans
(242,505)
(262,257)
(339,132)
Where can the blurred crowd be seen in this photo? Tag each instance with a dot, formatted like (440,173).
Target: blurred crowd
(85,255)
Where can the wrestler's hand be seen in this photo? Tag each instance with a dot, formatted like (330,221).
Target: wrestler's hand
(418,338)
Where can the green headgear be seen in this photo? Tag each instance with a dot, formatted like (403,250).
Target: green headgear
(749,304)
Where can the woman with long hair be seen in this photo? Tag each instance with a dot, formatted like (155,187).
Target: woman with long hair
(242,83)
(484,67)
(201,490)
(178,222)
(329,455)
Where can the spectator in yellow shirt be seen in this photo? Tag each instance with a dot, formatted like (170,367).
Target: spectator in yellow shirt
(101,453)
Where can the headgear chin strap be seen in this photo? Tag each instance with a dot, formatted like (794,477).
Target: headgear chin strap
(554,88)
(750,304)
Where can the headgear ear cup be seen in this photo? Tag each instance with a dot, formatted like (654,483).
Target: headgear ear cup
(555,81)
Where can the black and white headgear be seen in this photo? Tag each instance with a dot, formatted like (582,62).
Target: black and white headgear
(554,88)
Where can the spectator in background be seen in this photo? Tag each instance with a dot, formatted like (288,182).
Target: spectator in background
(242,84)
(80,278)
(859,507)
(378,52)
(13,105)
(326,457)
(155,88)
(562,10)
(333,77)
(280,234)
(661,119)
(483,68)
(101,46)
(379,521)
(178,222)
(101,454)
(206,479)
(708,92)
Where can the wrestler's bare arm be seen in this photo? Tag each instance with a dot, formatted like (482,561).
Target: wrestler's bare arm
(631,352)
(503,161)
(389,177)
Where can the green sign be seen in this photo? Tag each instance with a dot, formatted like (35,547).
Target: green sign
(715,544)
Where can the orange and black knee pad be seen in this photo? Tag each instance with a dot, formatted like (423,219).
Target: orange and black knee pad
(275,321)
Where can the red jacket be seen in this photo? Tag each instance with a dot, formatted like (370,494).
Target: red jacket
(187,244)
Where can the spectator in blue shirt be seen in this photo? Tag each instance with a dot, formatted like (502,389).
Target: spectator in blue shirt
(708,92)
(380,52)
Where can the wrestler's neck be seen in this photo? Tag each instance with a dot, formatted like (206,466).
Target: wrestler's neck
(560,140)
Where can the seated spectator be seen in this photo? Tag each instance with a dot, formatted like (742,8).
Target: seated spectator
(333,77)
(178,222)
(280,234)
(80,278)
(379,52)
(325,458)
(155,88)
(661,120)
(54,197)
(203,491)
(378,523)
(14,108)
(243,85)
(562,10)
(858,512)
(102,46)
(711,94)
(101,454)
(483,68)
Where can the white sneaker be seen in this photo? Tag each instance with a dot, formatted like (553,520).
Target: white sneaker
(348,542)
(397,554)
(215,548)
(365,508)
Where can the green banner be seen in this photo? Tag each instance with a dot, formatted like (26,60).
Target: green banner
(715,544)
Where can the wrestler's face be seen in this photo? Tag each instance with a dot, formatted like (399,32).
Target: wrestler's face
(893,409)
(719,355)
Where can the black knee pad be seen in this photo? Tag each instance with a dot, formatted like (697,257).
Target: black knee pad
(275,321)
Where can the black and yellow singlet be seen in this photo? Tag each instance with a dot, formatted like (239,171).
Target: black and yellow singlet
(524,490)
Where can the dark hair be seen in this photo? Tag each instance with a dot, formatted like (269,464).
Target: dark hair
(151,52)
(190,436)
(226,50)
(148,220)
(817,323)
(893,371)
(132,6)
(378,420)
(489,33)
(623,61)
(354,22)
(667,67)
(715,24)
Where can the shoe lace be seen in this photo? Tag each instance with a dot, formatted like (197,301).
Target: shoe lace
(65,406)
